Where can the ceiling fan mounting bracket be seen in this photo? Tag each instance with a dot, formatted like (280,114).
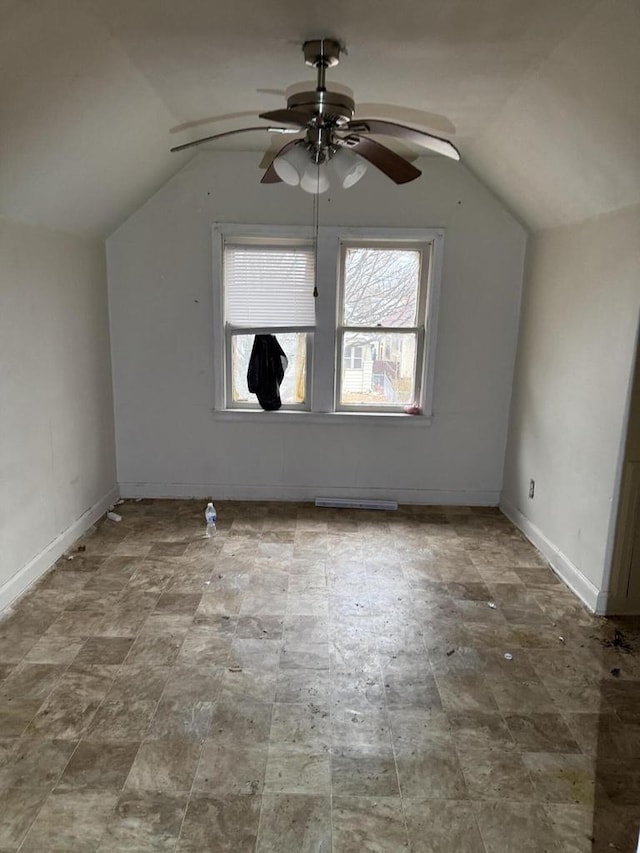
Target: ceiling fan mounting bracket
(321,52)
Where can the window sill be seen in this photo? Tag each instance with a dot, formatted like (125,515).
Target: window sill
(339,418)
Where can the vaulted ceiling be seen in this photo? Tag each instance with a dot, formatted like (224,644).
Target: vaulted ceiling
(542,98)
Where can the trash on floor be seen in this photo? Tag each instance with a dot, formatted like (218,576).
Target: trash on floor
(619,642)
(234,668)
(113,516)
(508,656)
(491,604)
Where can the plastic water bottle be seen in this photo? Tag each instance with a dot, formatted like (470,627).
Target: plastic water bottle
(211,516)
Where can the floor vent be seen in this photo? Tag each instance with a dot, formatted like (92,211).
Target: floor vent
(354,503)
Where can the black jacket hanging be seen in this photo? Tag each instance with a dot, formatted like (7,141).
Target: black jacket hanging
(266,371)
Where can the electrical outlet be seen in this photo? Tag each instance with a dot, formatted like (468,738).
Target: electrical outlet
(532,488)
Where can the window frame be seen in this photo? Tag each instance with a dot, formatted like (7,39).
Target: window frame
(253,235)
(418,330)
(322,339)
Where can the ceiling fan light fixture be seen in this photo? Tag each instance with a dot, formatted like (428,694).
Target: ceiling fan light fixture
(348,167)
(291,166)
(315,178)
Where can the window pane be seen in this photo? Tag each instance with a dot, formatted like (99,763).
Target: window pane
(381,287)
(378,369)
(292,390)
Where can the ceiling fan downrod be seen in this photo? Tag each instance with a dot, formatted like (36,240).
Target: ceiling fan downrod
(322,105)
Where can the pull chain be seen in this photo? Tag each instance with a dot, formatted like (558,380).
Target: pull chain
(316,202)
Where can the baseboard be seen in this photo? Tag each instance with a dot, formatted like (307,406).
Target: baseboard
(560,563)
(20,582)
(234,492)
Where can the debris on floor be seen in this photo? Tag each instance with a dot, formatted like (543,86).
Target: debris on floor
(619,642)
(234,668)
(508,656)
(562,639)
(450,652)
(491,604)
(113,516)
(615,672)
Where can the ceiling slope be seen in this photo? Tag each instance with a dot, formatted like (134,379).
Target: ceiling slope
(82,134)
(566,147)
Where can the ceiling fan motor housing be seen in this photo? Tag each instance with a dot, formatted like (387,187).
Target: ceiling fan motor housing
(334,107)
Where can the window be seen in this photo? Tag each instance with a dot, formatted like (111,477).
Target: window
(268,288)
(353,358)
(365,345)
(381,325)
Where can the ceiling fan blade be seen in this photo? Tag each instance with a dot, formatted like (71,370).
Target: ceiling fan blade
(392,128)
(287,117)
(432,122)
(273,150)
(271,176)
(187,125)
(393,165)
(232,133)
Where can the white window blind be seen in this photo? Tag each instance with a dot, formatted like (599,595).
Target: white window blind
(269,286)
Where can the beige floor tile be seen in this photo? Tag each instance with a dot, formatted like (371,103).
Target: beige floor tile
(144,822)
(561,778)
(20,807)
(506,827)
(541,733)
(231,769)
(442,826)
(295,823)
(35,763)
(71,820)
(224,823)
(432,772)
(164,765)
(374,825)
(492,775)
(305,654)
(364,771)
(295,770)
(98,765)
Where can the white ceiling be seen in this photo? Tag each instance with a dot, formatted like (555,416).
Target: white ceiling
(544,96)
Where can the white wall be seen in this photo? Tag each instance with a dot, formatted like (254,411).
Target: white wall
(160,291)
(57,457)
(580,313)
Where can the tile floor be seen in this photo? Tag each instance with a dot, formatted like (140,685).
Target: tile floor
(314,680)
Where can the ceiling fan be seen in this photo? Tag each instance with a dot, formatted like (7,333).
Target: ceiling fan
(333,139)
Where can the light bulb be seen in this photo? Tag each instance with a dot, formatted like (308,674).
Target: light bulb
(348,167)
(291,165)
(315,178)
